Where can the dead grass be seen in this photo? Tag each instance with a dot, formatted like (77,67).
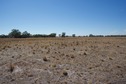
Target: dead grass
(62,60)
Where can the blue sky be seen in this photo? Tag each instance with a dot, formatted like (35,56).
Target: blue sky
(80,17)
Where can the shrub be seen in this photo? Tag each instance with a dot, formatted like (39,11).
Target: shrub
(73,35)
(63,34)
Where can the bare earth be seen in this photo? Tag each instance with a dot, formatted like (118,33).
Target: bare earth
(81,60)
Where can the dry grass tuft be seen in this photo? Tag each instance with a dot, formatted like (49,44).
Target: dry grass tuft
(11,67)
(45,59)
(65,73)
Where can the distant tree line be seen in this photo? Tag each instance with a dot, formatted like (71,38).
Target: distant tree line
(15,33)
(115,36)
(91,35)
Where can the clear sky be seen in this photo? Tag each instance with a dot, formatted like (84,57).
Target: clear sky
(80,17)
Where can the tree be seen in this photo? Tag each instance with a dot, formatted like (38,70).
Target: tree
(73,35)
(91,35)
(25,34)
(15,33)
(63,34)
(52,35)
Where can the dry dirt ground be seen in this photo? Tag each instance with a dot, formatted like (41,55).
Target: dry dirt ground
(81,60)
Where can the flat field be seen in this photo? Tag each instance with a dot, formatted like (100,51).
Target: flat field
(79,60)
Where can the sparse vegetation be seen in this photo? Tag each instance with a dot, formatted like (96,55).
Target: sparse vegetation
(62,59)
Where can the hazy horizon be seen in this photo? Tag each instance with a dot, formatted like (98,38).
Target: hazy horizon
(80,17)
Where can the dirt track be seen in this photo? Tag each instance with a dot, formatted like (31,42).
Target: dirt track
(63,61)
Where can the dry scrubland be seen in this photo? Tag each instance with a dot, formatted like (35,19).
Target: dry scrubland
(63,61)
